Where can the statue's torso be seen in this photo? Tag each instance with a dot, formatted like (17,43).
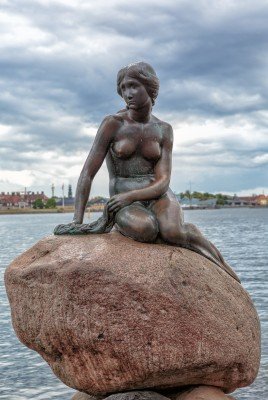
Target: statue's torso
(133,154)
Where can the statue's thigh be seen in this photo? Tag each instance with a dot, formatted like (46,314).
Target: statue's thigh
(137,222)
(169,216)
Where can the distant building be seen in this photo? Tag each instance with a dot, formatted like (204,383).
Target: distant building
(97,204)
(241,202)
(185,202)
(20,199)
(248,201)
(70,192)
(99,200)
(262,200)
(68,201)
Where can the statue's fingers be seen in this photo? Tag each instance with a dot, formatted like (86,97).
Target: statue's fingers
(61,229)
(114,203)
(115,207)
(111,200)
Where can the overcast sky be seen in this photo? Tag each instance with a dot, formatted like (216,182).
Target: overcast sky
(58,63)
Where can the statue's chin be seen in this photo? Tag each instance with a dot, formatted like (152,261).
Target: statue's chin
(132,107)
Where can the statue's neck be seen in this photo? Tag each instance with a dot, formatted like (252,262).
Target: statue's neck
(142,114)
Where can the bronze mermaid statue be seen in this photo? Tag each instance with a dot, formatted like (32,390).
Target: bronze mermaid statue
(137,147)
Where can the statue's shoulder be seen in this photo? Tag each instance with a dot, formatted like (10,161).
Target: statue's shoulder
(112,119)
(166,127)
(121,115)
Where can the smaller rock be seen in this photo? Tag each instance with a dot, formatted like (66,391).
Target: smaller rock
(136,395)
(84,396)
(204,393)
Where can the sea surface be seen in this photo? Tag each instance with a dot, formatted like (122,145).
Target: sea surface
(240,234)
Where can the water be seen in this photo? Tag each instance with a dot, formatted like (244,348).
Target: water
(240,234)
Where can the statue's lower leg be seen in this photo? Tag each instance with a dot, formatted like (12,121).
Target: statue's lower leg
(189,236)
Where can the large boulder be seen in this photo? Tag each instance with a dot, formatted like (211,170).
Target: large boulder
(110,314)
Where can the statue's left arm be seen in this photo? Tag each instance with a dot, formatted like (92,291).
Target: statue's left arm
(159,186)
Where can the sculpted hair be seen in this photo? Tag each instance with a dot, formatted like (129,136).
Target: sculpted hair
(145,74)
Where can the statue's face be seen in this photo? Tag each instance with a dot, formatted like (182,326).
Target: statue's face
(134,93)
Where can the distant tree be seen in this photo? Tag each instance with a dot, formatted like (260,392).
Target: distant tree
(197,195)
(221,199)
(220,202)
(51,203)
(38,203)
(188,194)
(203,195)
(207,196)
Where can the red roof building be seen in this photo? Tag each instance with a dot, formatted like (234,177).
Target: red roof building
(17,199)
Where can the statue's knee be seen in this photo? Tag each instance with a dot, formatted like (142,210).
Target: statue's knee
(148,230)
(143,229)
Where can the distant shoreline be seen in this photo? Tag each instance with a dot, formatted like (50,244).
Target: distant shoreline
(33,211)
(21,211)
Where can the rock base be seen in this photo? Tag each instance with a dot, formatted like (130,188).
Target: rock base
(195,393)
(112,315)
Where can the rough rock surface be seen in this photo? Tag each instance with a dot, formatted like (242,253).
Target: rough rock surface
(137,395)
(204,393)
(198,393)
(110,314)
(134,395)
(84,396)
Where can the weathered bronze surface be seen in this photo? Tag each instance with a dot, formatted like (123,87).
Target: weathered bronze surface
(138,151)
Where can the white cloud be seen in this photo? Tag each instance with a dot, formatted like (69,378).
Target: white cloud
(18,31)
(58,81)
(215,135)
(261,159)
(250,191)
(17,178)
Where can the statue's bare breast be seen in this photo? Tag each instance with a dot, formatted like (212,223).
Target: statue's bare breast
(134,142)
(134,152)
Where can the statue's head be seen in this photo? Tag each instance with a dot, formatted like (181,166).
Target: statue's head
(145,74)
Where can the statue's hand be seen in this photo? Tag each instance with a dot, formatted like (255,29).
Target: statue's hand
(119,201)
(66,229)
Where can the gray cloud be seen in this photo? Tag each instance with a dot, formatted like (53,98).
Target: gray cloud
(58,68)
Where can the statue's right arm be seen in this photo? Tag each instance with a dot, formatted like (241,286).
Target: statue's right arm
(93,163)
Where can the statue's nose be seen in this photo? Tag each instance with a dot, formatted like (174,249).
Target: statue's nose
(129,94)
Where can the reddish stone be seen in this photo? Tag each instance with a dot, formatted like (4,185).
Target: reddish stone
(110,314)
(204,393)
(137,395)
